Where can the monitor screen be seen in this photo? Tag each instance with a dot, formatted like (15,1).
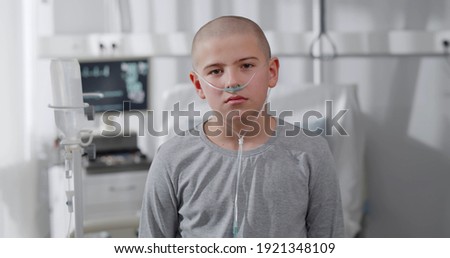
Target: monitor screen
(123,84)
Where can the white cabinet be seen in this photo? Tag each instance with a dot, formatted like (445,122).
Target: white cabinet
(111,202)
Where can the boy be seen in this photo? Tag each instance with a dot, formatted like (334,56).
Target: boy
(240,174)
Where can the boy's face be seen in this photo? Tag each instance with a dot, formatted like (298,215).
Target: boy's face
(229,61)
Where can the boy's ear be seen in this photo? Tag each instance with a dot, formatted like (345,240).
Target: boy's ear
(196,82)
(274,66)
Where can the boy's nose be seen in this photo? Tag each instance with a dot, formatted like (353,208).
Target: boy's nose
(232,80)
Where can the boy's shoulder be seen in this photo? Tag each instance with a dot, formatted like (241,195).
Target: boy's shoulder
(180,142)
(294,137)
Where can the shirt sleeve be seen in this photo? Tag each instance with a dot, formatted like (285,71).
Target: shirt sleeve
(324,217)
(159,211)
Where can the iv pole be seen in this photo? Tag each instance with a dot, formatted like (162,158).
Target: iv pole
(317,46)
(71,121)
(78,188)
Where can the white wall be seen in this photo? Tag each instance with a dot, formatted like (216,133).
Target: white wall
(405,101)
(22,198)
(9,52)
(405,104)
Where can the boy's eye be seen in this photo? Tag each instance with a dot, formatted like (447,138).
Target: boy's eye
(247,66)
(214,72)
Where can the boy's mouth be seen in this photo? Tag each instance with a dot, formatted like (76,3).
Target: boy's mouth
(236,99)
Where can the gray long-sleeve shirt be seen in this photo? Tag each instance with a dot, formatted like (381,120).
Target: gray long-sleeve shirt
(288,188)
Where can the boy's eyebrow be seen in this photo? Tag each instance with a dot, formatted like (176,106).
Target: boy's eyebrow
(213,65)
(246,58)
(235,62)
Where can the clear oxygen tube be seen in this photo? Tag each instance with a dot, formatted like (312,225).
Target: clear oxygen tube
(232,89)
(239,161)
(239,171)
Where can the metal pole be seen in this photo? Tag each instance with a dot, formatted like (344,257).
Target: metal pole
(78,190)
(319,29)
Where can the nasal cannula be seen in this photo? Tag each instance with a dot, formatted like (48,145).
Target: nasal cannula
(233,89)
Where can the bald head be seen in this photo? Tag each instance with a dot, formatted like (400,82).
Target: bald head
(230,25)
